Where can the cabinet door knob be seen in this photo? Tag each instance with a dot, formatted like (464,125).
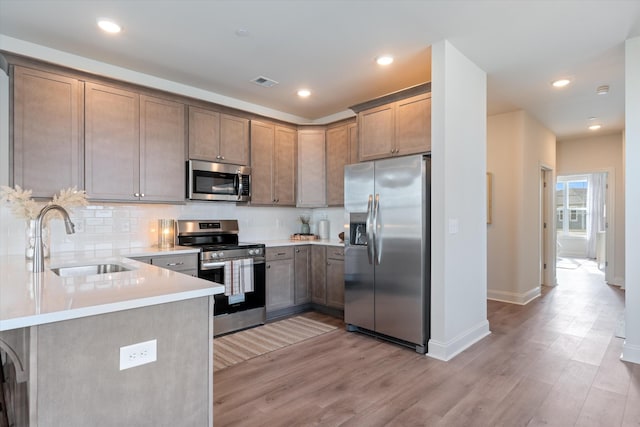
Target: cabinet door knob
(141,194)
(222,157)
(269,266)
(297,250)
(136,194)
(218,157)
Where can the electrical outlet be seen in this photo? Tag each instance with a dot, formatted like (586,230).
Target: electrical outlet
(138,354)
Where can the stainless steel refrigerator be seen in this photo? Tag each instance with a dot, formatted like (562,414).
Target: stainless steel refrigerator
(387,249)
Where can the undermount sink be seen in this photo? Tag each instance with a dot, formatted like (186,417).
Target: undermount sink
(86,270)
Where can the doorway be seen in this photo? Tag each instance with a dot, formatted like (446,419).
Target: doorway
(582,219)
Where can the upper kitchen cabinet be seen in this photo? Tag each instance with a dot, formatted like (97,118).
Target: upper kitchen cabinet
(218,137)
(273,164)
(413,125)
(134,146)
(395,125)
(285,166)
(352,132)
(341,150)
(162,150)
(312,182)
(376,127)
(47,131)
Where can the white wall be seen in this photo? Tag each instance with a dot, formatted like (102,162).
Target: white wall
(631,347)
(517,147)
(504,151)
(458,221)
(600,153)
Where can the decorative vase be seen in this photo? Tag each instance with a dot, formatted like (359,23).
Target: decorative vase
(305,229)
(30,239)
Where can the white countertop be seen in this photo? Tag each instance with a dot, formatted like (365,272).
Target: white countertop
(28,299)
(288,242)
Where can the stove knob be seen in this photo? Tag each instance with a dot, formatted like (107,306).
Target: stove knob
(220,254)
(252,252)
(214,254)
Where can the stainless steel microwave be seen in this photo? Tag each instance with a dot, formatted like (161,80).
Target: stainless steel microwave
(218,181)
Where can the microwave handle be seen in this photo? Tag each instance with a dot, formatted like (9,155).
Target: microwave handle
(240,185)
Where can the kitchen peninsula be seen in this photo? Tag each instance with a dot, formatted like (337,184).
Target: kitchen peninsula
(64,336)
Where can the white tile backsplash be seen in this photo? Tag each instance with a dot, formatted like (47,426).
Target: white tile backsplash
(121,226)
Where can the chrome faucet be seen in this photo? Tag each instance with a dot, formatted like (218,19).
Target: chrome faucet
(38,251)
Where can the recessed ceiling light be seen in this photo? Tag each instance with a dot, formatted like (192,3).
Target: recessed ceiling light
(384,60)
(303,93)
(602,90)
(594,127)
(561,83)
(109,25)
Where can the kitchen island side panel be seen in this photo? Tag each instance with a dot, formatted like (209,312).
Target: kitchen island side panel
(78,381)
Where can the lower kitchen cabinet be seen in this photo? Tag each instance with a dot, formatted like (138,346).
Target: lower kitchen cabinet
(335,277)
(319,275)
(288,280)
(304,276)
(185,263)
(327,266)
(280,278)
(302,259)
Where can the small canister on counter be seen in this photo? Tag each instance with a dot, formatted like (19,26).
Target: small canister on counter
(323,229)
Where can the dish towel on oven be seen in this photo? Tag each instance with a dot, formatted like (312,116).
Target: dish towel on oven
(238,276)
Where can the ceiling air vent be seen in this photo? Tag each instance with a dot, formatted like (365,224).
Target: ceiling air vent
(264,81)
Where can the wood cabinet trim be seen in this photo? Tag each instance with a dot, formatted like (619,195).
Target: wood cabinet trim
(392,97)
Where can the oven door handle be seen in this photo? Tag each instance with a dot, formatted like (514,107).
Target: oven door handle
(211,265)
(219,264)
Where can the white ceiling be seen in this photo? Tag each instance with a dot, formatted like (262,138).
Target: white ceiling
(329,47)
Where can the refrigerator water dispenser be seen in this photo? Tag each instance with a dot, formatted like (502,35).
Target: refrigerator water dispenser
(358,229)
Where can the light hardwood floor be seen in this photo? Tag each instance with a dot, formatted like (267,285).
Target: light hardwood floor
(554,362)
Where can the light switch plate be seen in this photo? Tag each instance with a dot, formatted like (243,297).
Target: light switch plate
(138,354)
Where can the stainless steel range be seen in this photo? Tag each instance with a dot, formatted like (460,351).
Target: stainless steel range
(240,267)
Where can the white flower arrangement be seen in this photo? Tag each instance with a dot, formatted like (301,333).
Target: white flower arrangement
(23,206)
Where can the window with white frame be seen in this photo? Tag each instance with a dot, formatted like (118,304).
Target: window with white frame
(571,204)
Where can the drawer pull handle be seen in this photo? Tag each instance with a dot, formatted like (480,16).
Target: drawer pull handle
(173,264)
(282,253)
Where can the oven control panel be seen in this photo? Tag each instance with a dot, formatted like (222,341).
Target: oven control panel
(228,254)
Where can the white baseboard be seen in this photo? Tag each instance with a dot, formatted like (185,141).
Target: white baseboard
(512,297)
(630,353)
(448,350)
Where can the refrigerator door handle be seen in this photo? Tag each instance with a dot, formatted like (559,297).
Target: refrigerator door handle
(370,242)
(377,244)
